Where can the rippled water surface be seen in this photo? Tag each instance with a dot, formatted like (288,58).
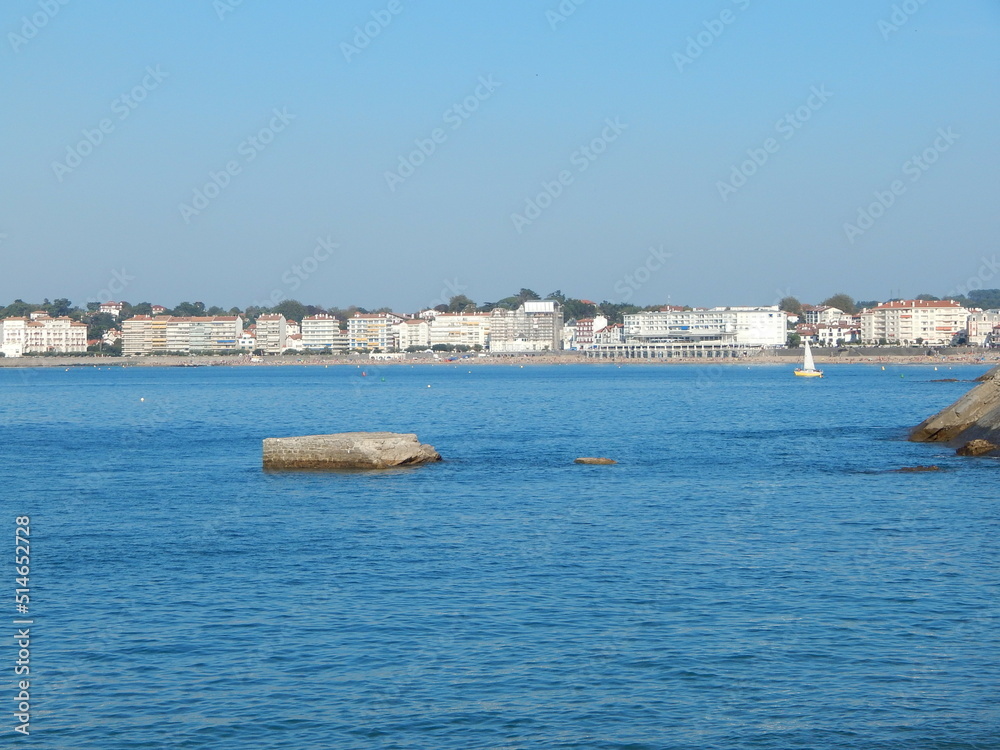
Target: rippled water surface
(751,574)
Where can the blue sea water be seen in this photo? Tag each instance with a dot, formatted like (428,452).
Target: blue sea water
(752,574)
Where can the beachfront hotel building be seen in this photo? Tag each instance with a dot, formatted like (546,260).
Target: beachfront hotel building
(413,332)
(41,334)
(465,329)
(533,327)
(914,321)
(370,331)
(144,334)
(746,326)
(321,332)
(272,334)
(983,328)
(715,332)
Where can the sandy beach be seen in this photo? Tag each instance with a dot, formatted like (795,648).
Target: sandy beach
(789,357)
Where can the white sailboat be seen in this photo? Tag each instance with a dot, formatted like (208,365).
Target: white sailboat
(808,369)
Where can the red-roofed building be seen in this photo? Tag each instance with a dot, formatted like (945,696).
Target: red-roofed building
(815,314)
(586,328)
(111,308)
(42,335)
(914,321)
(372,331)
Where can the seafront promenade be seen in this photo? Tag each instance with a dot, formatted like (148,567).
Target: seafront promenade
(872,355)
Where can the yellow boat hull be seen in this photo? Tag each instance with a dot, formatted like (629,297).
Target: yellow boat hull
(809,373)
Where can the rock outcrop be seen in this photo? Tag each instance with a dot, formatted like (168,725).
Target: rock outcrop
(976,448)
(595,461)
(975,416)
(347,450)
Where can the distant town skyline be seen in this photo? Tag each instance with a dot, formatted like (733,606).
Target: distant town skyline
(992,299)
(386,153)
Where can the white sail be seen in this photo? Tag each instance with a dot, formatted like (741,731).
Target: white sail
(807,363)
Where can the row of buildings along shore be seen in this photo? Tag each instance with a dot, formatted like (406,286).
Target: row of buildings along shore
(536,326)
(40,333)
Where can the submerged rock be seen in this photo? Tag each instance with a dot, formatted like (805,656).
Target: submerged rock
(974,416)
(976,448)
(347,450)
(595,461)
(910,469)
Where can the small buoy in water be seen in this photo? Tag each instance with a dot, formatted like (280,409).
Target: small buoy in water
(883,368)
(428,386)
(142,399)
(364,374)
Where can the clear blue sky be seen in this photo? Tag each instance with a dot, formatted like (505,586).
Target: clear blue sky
(659,183)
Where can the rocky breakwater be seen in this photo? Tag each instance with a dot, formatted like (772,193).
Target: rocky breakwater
(347,450)
(974,418)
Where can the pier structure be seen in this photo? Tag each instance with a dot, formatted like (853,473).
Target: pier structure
(673,350)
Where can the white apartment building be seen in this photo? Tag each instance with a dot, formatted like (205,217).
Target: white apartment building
(372,331)
(468,329)
(322,331)
(111,308)
(42,335)
(143,334)
(734,326)
(816,314)
(832,334)
(983,328)
(139,337)
(610,335)
(13,336)
(535,326)
(933,322)
(413,332)
(272,334)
